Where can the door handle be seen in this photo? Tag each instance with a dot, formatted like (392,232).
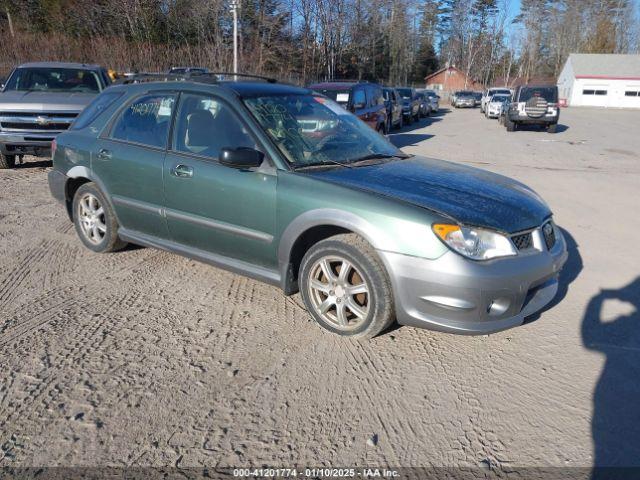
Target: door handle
(183,171)
(104,154)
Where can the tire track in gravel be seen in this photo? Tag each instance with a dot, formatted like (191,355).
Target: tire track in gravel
(10,334)
(55,382)
(31,261)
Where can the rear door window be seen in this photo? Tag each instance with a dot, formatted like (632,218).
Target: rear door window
(146,121)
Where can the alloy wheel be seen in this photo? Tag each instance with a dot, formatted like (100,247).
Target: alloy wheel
(338,292)
(92,219)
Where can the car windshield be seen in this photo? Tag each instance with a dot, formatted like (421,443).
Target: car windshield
(465,95)
(314,130)
(405,92)
(54,80)
(499,92)
(500,98)
(550,94)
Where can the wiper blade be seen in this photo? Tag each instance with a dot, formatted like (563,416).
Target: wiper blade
(376,156)
(323,163)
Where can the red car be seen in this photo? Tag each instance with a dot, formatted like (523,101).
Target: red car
(363,99)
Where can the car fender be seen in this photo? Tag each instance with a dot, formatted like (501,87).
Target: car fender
(80,171)
(377,238)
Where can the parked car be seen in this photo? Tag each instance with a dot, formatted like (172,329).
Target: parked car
(464,100)
(490,93)
(364,99)
(222,173)
(410,104)
(425,104)
(40,100)
(434,99)
(495,105)
(186,70)
(533,105)
(393,102)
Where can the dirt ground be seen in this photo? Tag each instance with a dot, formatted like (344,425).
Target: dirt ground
(146,358)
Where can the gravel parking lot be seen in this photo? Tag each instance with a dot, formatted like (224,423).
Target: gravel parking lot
(146,358)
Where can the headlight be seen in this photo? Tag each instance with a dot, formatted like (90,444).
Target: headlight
(474,243)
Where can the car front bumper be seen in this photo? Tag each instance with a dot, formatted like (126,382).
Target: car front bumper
(526,120)
(456,295)
(466,104)
(27,143)
(493,112)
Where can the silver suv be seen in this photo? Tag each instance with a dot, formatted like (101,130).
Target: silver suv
(39,101)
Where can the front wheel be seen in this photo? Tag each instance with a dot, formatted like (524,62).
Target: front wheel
(7,161)
(552,128)
(511,126)
(95,221)
(345,287)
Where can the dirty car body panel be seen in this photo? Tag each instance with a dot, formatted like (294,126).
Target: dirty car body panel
(253,220)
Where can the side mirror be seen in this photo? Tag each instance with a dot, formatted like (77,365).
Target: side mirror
(438,97)
(241,158)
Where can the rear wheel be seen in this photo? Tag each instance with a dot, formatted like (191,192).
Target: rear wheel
(345,287)
(95,221)
(7,161)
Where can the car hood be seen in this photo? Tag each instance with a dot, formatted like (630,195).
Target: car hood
(16,101)
(468,195)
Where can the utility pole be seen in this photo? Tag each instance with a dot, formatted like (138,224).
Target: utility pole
(235,4)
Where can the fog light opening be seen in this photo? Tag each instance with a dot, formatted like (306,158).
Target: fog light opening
(498,306)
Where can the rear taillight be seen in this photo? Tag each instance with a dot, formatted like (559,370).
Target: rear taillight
(54,145)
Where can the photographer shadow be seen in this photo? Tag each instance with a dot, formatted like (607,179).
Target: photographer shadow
(615,425)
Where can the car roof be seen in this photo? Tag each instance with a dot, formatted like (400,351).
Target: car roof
(244,89)
(80,66)
(335,85)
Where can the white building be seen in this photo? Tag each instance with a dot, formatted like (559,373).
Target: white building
(600,80)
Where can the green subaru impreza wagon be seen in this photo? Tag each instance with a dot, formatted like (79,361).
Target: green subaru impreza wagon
(284,185)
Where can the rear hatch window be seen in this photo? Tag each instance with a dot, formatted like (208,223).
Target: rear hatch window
(550,94)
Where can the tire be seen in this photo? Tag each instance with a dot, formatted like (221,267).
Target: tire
(373,311)
(409,120)
(7,161)
(511,126)
(95,221)
(552,128)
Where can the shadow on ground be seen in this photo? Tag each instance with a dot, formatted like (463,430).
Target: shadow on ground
(536,128)
(40,163)
(402,140)
(615,425)
(568,274)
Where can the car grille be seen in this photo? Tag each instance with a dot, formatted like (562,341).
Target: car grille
(549,234)
(36,121)
(522,241)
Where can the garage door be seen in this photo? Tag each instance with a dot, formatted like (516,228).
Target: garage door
(631,96)
(595,95)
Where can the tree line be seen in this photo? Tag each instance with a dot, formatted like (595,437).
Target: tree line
(393,41)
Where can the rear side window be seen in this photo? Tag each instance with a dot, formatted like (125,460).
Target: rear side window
(94,109)
(146,121)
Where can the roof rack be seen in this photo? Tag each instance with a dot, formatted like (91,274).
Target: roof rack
(346,80)
(209,77)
